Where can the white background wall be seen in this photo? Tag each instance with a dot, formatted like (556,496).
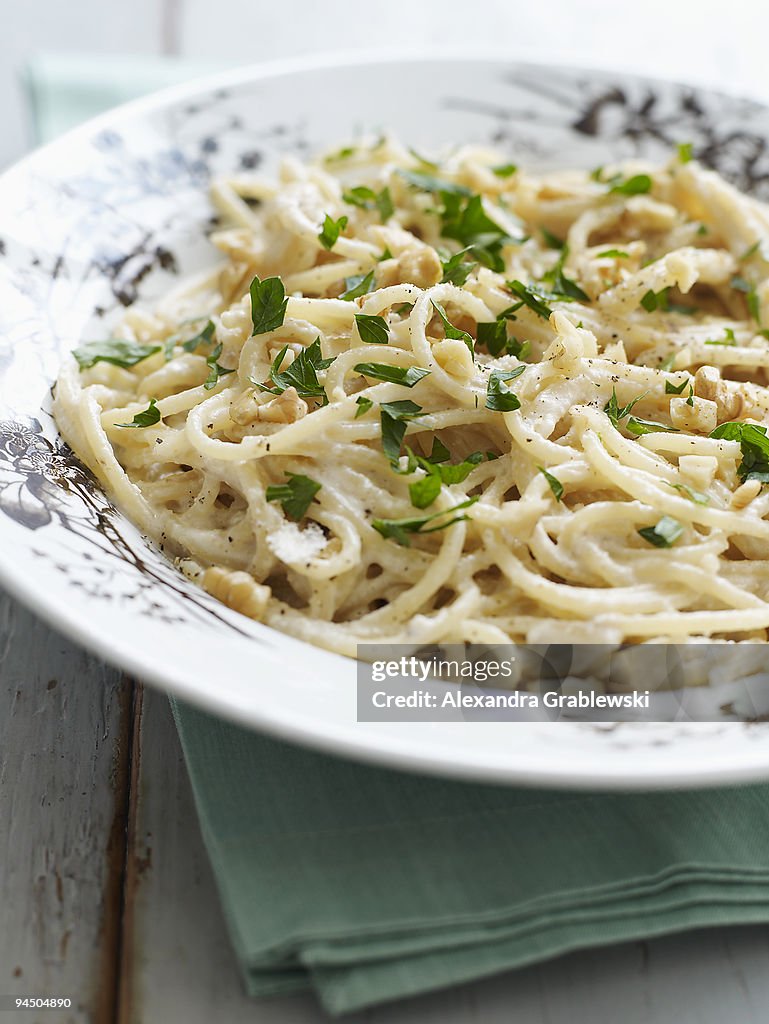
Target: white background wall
(717,42)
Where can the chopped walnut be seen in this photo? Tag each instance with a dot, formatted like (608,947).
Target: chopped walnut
(733,402)
(418,264)
(700,416)
(237,590)
(285,408)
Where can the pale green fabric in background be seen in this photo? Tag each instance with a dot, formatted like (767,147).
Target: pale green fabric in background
(368,884)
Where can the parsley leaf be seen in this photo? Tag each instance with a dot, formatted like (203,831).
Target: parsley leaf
(552,241)
(499,397)
(147,418)
(402,410)
(728,339)
(470,225)
(634,186)
(555,484)
(367,199)
(295,496)
(664,534)
(675,389)
(685,153)
(754,445)
(373,330)
(696,496)
(751,297)
(453,332)
(427,183)
(364,404)
(613,254)
(457,269)
(617,413)
(268,304)
(215,371)
(399,529)
(529,298)
(407,376)
(493,335)
(114,351)
(302,374)
(505,170)
(329,233)
(638,426)
(655,300)
(203,337)
(357,285)
(393,416)
(561,286)
(423,492)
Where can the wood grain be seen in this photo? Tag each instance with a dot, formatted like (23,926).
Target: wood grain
(65,721)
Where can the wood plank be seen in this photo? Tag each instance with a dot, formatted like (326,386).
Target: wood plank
(65,722)
(180,965)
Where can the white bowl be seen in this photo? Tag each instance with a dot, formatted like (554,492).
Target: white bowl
(118,209)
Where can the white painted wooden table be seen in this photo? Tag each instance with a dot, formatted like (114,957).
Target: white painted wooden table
(106,895)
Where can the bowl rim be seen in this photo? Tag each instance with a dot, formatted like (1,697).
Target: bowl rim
(389,751)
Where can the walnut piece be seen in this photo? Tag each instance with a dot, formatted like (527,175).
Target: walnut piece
(237,590)
(285,408)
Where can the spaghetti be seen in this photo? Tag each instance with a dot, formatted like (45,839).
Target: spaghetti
(460,402)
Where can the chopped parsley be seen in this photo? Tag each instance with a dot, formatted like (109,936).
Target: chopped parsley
(115,351)
(613,254)
(675,389)
(373,330)
(295,496)
(751,298)
(215,371)
(696,496)
(552,241)
(754,446)
(427,183)
(457,268)
(553,482)
(529,298)
(393,416)
(453,332)
(634,186)
(367,199)
(329,233)
(685,152)
(268,304)
(203,337)
(407,376)
(664,534)
(561,286)
(400,529)
(466,221)
(357,285)
(634,424)
(423,492)
(728,339)
(499,397)
(147,418)
(302,374)
(364,404)
(505,170)
(655,300)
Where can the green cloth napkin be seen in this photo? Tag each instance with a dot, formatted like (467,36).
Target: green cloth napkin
(369,884)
